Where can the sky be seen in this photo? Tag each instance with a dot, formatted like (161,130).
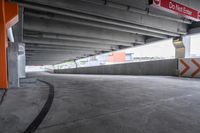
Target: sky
(158,49)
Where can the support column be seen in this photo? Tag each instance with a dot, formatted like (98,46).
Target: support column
(16,63)
(3,46)
(76,65)
(187,44)
(179,47)
(8,17)
(182,46)
(13,76)
(21,60)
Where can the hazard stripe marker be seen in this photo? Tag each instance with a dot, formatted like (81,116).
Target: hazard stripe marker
(198,69)
(187,67)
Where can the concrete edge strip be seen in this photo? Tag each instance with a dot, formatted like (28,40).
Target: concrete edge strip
(40,117)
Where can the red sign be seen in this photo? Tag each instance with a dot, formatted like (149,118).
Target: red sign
(176,8)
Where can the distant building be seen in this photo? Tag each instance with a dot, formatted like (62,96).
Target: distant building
(116,57)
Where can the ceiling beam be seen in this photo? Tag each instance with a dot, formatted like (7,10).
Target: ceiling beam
(79,38)
(106,24)
(50,42)
(101,12)
(61,47)
(43,25)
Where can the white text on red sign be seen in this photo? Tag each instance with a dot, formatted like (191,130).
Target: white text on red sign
(177,8)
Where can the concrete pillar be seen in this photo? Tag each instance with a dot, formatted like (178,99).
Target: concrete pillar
(76,64)
(12,55)
(182,46)
(16,63)
(21,61)
(187,44)
(179,47)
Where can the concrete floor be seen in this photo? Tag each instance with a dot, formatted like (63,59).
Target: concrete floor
(22,105)
(105,104)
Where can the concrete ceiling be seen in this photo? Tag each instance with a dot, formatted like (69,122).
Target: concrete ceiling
(60,30)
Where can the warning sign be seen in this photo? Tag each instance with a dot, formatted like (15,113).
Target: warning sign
(176,8)
(189,67)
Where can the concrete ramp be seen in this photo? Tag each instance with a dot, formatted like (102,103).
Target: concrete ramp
(158,67)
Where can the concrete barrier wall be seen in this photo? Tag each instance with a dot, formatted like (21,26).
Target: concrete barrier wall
(158,67)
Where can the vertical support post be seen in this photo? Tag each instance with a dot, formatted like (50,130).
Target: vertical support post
(21,61)
(182,46)
(76,65)
(187,44)
(3,46)
(179,47)
(13,76)
(8,17)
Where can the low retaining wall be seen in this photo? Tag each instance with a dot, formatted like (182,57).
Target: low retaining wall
(158,67)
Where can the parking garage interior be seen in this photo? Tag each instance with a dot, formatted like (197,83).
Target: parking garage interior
(130,66)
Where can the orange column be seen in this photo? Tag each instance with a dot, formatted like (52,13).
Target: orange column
(8,17)
(3,46)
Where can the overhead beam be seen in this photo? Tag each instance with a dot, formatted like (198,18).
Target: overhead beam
(50,53)
(134,6)
(42,25)
(41,63)
(59,57)
(79,38)
(112,25)
(45,59)
(61,47)
(74,8)
(58,50)
(55,42)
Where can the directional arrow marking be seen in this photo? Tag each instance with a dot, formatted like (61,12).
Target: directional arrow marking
(198,69)
(187,67)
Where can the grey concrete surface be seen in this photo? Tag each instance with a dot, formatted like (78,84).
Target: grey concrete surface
(107,104)
(123,104)
(21,105)
(159,67)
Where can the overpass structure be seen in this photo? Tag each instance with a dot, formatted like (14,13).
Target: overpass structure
(112,99)
(57,31)
(54,31)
